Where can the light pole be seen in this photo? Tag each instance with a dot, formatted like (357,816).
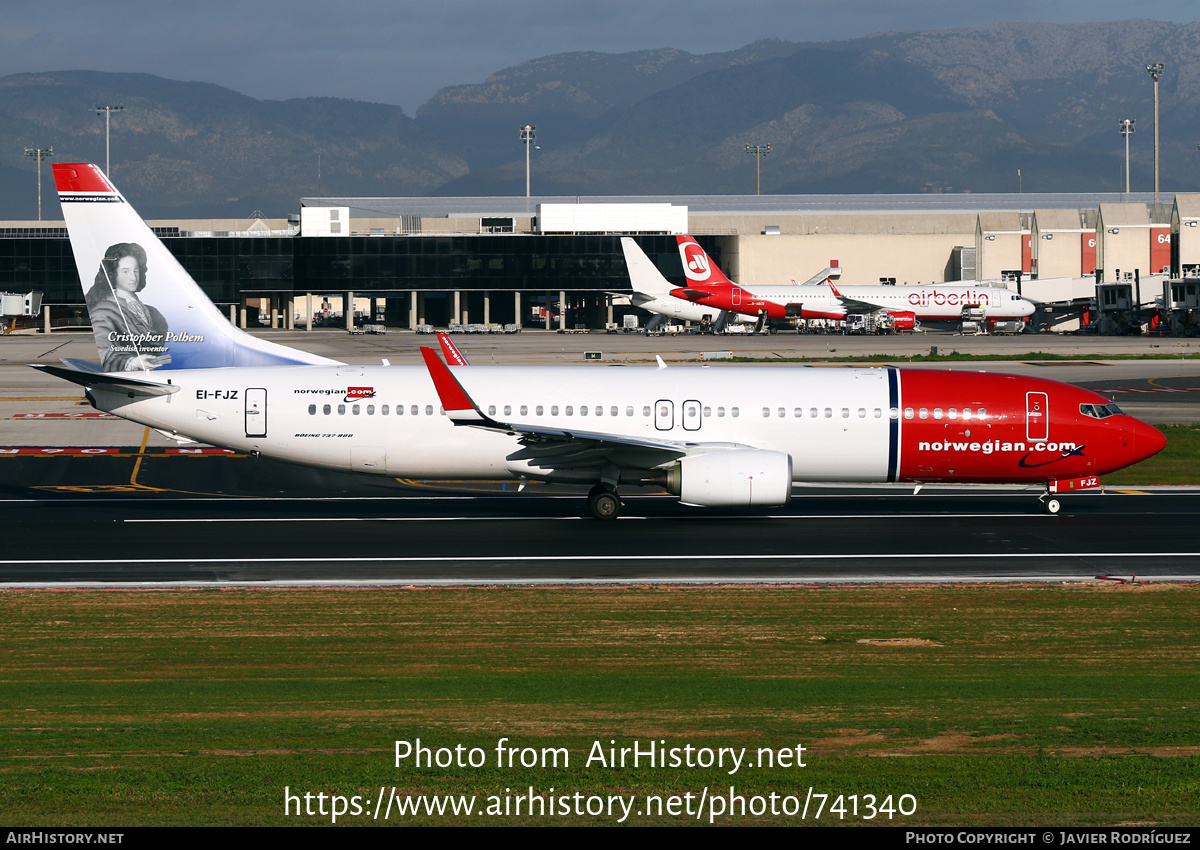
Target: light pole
(528,134)
(1155,71)
(758,152)
(108,111)
(1127,128)
(40,153)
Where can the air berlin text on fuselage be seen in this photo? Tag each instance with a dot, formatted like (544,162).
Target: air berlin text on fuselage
(948,299)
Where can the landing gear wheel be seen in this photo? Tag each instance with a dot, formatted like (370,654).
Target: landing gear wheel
(604,502)
(1050,506)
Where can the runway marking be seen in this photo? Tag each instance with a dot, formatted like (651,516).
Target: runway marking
(927,493)
(705,517)
(1152,390)
(507,559)
(73,416)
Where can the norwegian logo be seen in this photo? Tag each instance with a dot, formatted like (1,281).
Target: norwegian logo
(695,261)
(358,393)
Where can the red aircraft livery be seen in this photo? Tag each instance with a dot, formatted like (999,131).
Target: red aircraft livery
(905,305)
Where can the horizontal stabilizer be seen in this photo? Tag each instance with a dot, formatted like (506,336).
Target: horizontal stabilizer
(105,381)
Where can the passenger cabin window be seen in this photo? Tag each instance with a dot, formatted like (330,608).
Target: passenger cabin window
(312,410)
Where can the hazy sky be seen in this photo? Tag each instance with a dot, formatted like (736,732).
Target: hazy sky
(401,52)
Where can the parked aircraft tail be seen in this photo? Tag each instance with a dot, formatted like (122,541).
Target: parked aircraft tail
(644,276)
(697,265)
(146,311)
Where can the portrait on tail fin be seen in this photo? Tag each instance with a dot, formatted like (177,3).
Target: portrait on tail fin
(130,334)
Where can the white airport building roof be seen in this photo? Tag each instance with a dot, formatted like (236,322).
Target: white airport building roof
(740,204)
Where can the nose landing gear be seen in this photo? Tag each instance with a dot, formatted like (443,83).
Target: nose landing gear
(1048,505)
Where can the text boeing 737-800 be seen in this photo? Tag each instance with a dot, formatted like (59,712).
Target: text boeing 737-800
(708,286)
(712,436)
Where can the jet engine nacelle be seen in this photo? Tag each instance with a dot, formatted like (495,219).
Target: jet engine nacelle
(734,477)
(904,320)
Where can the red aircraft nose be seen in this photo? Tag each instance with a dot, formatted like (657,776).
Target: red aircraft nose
(1145,440)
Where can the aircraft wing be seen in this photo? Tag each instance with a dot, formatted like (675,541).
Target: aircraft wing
(558,448)
(854,305)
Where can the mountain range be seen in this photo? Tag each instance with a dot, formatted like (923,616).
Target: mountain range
(956,110)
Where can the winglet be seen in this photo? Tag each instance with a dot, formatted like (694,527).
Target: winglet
(453,356)
(454,398)
(833,289)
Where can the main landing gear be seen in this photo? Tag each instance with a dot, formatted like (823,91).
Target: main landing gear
(604,503)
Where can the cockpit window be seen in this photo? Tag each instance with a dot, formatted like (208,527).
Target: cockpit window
(1099,411)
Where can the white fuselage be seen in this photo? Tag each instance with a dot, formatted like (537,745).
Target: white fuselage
(678,308)
(943,301)
(388,420)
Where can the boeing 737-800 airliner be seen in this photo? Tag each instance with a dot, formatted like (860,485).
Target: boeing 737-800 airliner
(712,436)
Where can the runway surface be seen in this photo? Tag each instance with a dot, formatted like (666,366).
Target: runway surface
(375,532)
(91,500)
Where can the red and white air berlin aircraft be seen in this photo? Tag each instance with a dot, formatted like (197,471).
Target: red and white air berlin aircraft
(906,305)
(712,436)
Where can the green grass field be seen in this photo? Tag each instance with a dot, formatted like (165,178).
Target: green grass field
(1002,705)
(1178,463)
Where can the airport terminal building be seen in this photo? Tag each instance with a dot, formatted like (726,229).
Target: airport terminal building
(555,261)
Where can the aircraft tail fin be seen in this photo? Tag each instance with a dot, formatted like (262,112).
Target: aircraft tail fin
(644,276)
(697,265)
(146,311)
